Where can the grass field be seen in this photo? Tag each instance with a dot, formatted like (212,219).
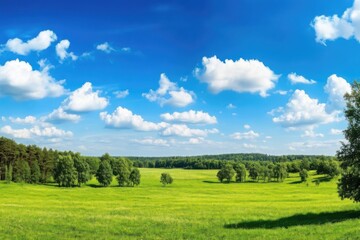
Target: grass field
(195,206)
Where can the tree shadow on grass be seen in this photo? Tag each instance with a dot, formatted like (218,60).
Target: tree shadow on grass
(322,179)
(298,220)
(296,182)
(95,185)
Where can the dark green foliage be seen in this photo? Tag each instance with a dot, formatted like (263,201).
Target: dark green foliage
(21,171)
(280,172)
(349,155)
(104,174)
(123,170)
(8,174)
(303,175)
(35,173)
(254,171)
(166,178)
(135,176)
(93,163)
(226,173)
(82,170)
(240,172)
(65,173)
(328,167)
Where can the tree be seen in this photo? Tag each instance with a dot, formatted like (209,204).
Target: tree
(227,172)
(280,172)
(254,171)
(35,172)
(303,175)
(104,174)
(8,174)
(82,170)
(166,178)
(65,173)
(134,177)
(349,154)
(240,172)
(21,171)
(122,170)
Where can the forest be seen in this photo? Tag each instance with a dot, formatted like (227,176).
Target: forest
(32,164)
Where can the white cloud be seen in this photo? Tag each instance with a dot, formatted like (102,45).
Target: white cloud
(336,87)
(245,135)
(239,76)
(333,27)
(122,94)
(230,106)
(41,42)
(124,118)
(281,92)
(303,111)
(249,146)
(294,79)
(36,131)
(310,133)
(334,131)
(105,47)
(84,99)
(152,142)
(247,126)
(305,146)
(61,50)
(26,120)
(194,117)
(182,130)
(168,93)
(20,81)
(60,116)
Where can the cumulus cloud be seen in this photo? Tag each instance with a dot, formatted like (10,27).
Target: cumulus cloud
(60,116)
(245,135)
(84,99)
(239,76)
(336,87)
(20,81)
(294,79)
(152,142)
(26,120)
(194,117)
(333,27)
(169,93)
(335,131)
(61,51)
(121,94)
(105,47)
(310,133)
(124,118)
(303,111)
(182,130)
(41,42)
(36,131)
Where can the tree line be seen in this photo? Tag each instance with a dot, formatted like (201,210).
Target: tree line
(267,171)
(32,164)
(218,161)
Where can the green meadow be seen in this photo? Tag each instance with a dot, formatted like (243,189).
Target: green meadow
(195,206)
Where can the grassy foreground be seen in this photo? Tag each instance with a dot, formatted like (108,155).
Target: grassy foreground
(195,206)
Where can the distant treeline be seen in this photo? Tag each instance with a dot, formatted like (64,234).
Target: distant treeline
(218,161)
(32,164)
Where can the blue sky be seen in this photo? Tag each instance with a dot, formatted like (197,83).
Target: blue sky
(159,78)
